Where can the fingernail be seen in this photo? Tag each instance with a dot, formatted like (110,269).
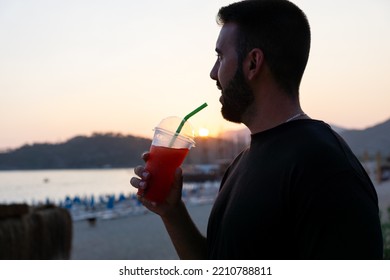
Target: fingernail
(142,184)
(145,174)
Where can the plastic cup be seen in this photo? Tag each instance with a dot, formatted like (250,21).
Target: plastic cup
(167,153)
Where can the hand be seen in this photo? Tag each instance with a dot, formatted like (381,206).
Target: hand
(173,199)
(144,175)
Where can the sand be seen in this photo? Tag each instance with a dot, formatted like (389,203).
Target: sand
(144,237)
(141,237)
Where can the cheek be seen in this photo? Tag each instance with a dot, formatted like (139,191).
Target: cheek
(226,72)
(223,75)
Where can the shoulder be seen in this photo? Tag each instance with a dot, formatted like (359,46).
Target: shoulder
(296,131)
(309,146)
(301,138)
(316,138)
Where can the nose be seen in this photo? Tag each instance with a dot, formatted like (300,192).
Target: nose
(214,71)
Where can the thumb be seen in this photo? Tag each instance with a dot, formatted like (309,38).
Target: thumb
(177,186)
(178,181)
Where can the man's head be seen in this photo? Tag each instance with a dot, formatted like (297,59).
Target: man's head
(279,29)
(236,96)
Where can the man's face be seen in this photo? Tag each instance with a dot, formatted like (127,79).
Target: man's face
(236,94)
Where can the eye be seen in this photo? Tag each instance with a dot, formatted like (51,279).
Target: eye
(219,57)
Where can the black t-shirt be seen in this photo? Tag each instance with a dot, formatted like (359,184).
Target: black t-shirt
(297,192)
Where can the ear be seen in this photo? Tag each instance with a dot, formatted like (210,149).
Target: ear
(253,63)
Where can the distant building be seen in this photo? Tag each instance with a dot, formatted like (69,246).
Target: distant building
(382,168)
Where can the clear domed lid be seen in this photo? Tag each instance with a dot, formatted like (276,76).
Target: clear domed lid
(173,123)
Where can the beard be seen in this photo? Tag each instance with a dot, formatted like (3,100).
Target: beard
(236,98)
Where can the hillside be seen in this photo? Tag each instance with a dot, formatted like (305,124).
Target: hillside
(97,151)
(116,150)
(105,151)
(370,140)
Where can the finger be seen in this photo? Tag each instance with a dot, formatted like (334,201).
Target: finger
(146,156)
(138,170)
(177,186)
(137,183)
(178,182)
(134,181)
(142,172)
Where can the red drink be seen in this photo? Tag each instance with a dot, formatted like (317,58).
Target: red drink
(162,164)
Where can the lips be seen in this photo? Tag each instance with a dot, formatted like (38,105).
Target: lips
(221,99)
(219,86)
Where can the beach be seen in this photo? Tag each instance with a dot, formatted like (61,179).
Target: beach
(144,237)
(141,237)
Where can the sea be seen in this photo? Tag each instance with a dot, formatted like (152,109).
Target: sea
(40,186)
(54,186)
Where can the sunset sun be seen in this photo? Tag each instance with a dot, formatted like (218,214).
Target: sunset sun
(203,132)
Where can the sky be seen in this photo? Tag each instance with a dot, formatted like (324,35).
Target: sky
(78,67)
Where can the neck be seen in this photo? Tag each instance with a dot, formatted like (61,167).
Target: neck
(264,115)
(272,105)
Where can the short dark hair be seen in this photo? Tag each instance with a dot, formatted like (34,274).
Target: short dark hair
(277,27)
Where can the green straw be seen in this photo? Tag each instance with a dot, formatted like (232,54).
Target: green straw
(204,105)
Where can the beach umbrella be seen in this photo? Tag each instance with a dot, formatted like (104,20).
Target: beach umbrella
(110,203)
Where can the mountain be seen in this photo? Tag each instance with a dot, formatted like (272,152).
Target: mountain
(96,151)
(337,128)
(243,134)
(106,150)
(116,150)
(372,140)
(237,135)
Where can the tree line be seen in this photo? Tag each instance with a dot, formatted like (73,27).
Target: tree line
(105,150)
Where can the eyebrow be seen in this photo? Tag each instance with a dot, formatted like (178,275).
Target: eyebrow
(218,50)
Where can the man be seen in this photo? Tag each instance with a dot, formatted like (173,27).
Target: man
(297,192)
